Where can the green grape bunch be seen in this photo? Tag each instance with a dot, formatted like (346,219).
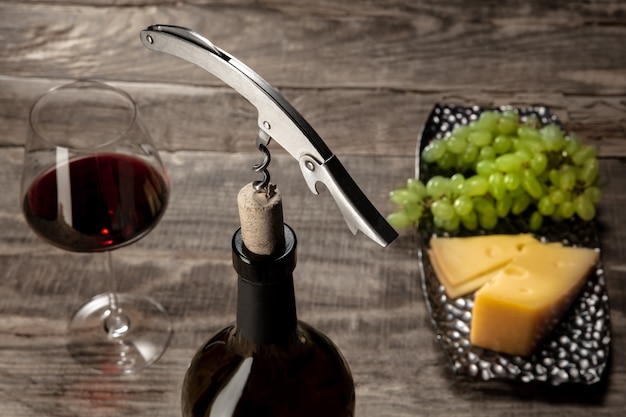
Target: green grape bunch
(501,166)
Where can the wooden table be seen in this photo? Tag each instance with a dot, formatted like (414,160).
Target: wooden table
(365,74)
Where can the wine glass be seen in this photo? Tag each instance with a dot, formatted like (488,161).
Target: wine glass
(92,181)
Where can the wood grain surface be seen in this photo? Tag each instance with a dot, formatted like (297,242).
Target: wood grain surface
(365,74)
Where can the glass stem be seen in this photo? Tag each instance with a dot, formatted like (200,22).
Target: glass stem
(116,323)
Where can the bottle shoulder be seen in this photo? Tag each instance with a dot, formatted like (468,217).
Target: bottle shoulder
(306,375)
(305,338)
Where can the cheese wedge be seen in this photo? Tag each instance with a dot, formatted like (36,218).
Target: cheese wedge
(464,264)
(521,305)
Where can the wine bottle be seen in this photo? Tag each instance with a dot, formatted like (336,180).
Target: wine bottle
(268,363)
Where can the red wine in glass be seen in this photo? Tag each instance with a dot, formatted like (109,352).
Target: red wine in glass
(93,181)
(97,202)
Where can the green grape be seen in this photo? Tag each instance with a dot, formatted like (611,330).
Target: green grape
(447,161)
(554,176)
(457,181)
(524,155)
(485,167)
(480,138)
(553,137)
(401,196)
(463,205)
(520,203)
(437,186)
(531,185)
(455,144)
(487,221)
(539,163)
(584,207)
(572,144)
(567,178)
(414,211)
(496,185)
(526,132)
(506,126)
(589,171)
(513,180)
(487,217)
(475,186)
(583,153)
(452,224)
(519,144)
(557,196)
(487,121)
(531,146)
(508,122)
(434,151)
(593,194)
(399,220)
(486,152)
(442,209)
(470,155)
(439,223)
(568,196)
(566,209)
(461,131)
(502,144)
(470,221)
(518,191)
(545,206)
(544,179)
(503,205)
(482,205)
(535,221)
(417,187)
(509,162)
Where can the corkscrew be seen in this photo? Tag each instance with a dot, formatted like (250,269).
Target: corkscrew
(280,121)
(262,140)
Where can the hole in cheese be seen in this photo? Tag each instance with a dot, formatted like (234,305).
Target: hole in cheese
(492,251)
(563,264)
(514,271)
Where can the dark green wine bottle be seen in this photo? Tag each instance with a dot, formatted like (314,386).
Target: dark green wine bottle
(268,363)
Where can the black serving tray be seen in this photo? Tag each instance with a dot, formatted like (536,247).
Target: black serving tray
(578,349)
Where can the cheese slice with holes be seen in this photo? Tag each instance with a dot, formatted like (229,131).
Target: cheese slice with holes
(464,264)
(524,301)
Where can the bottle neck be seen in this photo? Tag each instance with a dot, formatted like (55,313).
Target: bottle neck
(266,307)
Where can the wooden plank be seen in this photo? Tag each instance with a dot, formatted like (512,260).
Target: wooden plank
(361,121)
(425,48)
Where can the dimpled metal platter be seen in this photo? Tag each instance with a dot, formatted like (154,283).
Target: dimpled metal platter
(578,349)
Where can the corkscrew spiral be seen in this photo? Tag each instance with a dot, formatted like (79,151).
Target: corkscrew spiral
(264,184)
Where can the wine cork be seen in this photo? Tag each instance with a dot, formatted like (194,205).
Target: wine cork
(261,217)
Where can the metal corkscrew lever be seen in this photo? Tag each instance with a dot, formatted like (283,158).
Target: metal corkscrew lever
(280,121)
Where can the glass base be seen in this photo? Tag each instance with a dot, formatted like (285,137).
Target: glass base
(142,333)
